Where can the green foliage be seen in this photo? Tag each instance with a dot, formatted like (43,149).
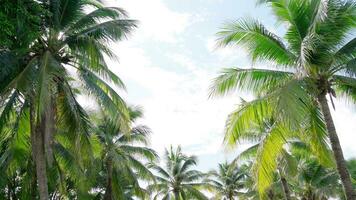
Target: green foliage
(314,58)
(41,48)
(176,180)
(20,22)
(351,165)
(126,155)
(228,181)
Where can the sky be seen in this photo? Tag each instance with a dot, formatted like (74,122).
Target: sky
(169,62)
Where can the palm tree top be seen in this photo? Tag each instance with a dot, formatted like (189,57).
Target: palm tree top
(177,178)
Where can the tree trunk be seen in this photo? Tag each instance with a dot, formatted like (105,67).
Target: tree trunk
(108,190)
(176,195)
(33,182)
(231,197)
(336,147)
(270,195)
(38,153)
(14,197)
(285,186)
(49,131)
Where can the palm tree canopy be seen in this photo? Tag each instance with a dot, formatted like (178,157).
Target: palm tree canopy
(177,180)
(315,57)
(228,181)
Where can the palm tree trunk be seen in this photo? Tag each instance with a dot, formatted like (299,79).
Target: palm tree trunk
(285,188)
(176,195)
(108,190)
(270,195)
(284,185)
(336,147)
(231,197)
(38,153)
(8,191)
(33,182)
(13,192)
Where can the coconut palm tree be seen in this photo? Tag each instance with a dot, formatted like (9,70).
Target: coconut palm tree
(123,156)
(270,138)
(316,182)
(299,174)
(315,59)
(227,182)
(68,54)
(177,180)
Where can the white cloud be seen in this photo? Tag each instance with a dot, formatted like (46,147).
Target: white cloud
(177,108)
(156,20)
(344,117)
(227,54)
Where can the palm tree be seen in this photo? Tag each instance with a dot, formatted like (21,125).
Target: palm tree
(177,180)
(122,156)
(271,139)
(227,182)
(44,87)
(316,182)
(312,61)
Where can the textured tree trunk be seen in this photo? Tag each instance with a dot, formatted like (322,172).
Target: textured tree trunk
(38,153)
(336,147)
(8,192)
(285,186)
(270,195)
(13,192)
(33,182)
(49,131)
(108,190)
(176,195)
(231,197)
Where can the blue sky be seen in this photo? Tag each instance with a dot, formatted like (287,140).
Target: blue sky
(168,64)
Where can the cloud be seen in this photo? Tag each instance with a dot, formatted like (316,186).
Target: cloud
(176,106)
(227,54)
(157,21)
(344,117)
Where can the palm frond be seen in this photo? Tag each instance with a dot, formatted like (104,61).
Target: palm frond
(259,81)
(258,41)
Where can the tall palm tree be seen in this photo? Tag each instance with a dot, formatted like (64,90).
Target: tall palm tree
(177,180)
(44,86)
(227,182)
(315,59)
(123,156)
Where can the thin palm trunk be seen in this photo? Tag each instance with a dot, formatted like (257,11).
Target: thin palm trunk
(8,191)
(176,195)
(270,195)
(13,188)
(38,154)
(231,197)
(285,186)
(108,190)
(336,147)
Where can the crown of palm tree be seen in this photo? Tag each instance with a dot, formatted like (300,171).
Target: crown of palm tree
(177,180)
(227,182)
